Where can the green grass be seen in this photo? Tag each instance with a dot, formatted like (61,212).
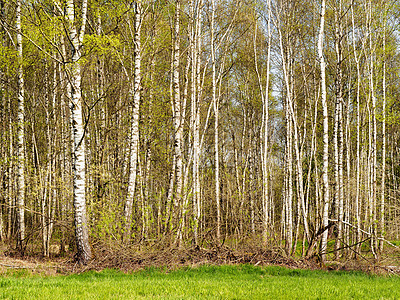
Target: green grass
(207,282)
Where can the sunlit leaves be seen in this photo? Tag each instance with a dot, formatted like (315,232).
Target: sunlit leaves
(102,44)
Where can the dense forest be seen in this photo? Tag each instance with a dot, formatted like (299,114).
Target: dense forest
(198,122)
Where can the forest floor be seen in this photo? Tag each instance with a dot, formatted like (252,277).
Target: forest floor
(140,258)
(217,272)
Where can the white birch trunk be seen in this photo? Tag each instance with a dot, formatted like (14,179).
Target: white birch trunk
(194,113)
(178,124)
(358,167)
(197,141)
(373,154)
(286,64)
(195,117)
(65,142)
(216,118)
(20,136)
(267,218)
(325,135)
(185,169)
(10,176)
(134,130)
(4,193)
(339,191)
(84,252)
(265,129)
(300,183)
(382,208)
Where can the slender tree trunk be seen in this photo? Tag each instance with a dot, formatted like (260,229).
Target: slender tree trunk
(195,117)
(252,187)
(289,170)
(170,197)
(20,136)
(185,169)
(197,139)
(266,205)
(373,154)
(216,119)
(65,143)
(10,176)
(339,191)
(382,208)
(358,166)
(349,203)
(325,135)
(84,252)
(265,129)
(134,130)
(178,122)
(300,183)
(286,65)
(4,129)
(336,190)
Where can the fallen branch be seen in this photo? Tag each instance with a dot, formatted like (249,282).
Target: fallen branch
(366,232)
(16,267)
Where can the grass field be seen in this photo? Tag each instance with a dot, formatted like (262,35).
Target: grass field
(206,282)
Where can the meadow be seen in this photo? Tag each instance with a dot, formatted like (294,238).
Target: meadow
(204,282)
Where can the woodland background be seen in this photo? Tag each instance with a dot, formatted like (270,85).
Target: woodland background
(200,122)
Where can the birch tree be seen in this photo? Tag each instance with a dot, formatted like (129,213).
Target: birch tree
(325,179)
(20,135)
(195,46)
(176,177)
(338,128)
(382,204)
(84,252)
(358,167)
(216,118)
(372,134)
(265,125)
(134,130)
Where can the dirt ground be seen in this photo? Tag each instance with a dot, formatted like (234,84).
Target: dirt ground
(137,258)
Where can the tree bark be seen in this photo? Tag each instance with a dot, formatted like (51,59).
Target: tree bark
(265,128)
(339,190)
(20,136)
(358,163)
(216,119)
(134,130)
(382,208)
(325,135)
(195,110)
(373,160)
(84,253)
